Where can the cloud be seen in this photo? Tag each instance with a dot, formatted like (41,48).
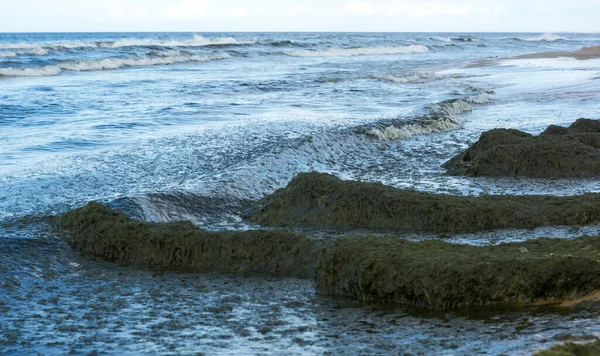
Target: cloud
(301,9)
(437,8)
(189,9)
(115,10)
(359,8)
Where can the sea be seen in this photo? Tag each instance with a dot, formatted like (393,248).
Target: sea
(192,126)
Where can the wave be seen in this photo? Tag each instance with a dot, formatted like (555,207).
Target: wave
(416,77)
(361,51)
(195,41)
(200,209)
(441,117)
(108,63)
(442,39)
(46,71)
(464,39)
(281,43)
(485,97)
(421,77)
(548,37)
(406,131)
(39,51)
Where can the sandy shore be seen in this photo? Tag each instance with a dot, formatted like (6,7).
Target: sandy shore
(585,53)
(581,54)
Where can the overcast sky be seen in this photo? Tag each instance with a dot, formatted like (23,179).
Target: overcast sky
(300,15)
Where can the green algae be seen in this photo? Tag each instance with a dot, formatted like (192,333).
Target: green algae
(431,274)
(558,152)
(573,349)
(98,230)
(317,199)
(438,275)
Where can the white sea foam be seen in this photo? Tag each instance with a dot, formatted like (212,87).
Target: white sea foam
(404,132)
(46,71)
(362,51)
(13,53)
(481,98)
(548,37)
(195,41)
(17,45)
(106,64)
(415,77)
(442,39)
(442,117)
(451,107)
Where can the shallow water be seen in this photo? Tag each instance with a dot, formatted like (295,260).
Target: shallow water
(55,300)
(182,126)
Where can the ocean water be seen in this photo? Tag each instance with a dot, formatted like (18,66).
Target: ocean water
(172,126)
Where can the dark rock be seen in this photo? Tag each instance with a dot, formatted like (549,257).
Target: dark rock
(431,274)
(97,230)
(317,199)
(438,275)
(556,131)
(556,153)
(573,349)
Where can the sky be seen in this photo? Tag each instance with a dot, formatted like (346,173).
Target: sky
(300,15)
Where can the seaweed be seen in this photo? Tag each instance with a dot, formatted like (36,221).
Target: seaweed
(558,152)
(573,349)
(432,274)
(323,200)
(439,275)
(98,230)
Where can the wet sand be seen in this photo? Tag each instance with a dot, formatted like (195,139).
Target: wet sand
(581,54)
(585,53)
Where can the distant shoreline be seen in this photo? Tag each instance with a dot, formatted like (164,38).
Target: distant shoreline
(583,54)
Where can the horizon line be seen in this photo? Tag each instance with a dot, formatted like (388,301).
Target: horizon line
(294,31)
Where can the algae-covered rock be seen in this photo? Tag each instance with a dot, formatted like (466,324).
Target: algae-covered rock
(435,274)
(317,199)
(557,152)
(97,230)
(573,349)
(431,274)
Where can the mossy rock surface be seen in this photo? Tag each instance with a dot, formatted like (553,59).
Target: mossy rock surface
(573,349)
(435,274)
(558,152)
(98,230)
(431,274)
(322,200)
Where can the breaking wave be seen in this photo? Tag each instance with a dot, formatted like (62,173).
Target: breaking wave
(454,39)
(195,41)
(281,43)
(442,39)
(161,58)
(441,117)
(39,51)
(46,71)
(464,39)
(415,77)
(548,37)
(361,51)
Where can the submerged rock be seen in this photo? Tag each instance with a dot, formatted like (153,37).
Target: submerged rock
(573,349)
(431,274)
(98,230)
(558,152)
(318,199)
